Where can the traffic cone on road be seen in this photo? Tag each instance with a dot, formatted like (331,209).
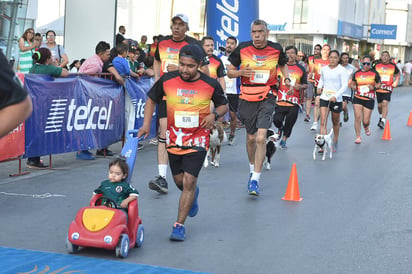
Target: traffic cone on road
(387,132)
(410,119)
(292,191)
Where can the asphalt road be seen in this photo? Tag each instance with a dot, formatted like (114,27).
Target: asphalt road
(354,216)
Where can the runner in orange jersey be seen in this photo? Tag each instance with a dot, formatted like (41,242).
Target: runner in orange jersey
(390,76)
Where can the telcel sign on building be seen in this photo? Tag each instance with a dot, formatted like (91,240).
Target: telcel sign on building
(383,31)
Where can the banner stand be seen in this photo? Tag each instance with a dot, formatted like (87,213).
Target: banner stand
(19,173)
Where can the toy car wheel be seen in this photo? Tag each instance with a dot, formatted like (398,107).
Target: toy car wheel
(71,248)
(122,248)
(140,236)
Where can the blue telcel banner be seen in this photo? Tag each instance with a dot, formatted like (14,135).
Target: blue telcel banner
(226,18)
(71,114)
(137,90)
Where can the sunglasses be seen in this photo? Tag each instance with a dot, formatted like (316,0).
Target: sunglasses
(366,63)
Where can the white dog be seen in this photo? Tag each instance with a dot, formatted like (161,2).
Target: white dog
(217,135)
(272,142)
(323,142)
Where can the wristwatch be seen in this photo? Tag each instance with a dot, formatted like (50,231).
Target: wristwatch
(216,115)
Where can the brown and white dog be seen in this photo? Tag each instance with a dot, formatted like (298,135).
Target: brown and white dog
(217,135)
(323,142)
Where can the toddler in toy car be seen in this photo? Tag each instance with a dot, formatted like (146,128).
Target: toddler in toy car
(116,188)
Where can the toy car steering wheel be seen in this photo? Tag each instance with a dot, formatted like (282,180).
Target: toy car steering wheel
(107,202)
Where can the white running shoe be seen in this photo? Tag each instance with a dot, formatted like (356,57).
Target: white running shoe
(314,126)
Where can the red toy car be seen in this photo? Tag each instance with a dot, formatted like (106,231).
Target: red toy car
(106,227)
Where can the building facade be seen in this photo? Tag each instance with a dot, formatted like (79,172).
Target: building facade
(343,24)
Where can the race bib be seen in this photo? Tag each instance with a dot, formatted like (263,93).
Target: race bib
(186,119)
(386,78)
(260,76)
(364,90)
(168,62)
(327,93)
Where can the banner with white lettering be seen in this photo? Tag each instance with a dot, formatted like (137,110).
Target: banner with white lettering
(227,18)
(137,90)
(72,114)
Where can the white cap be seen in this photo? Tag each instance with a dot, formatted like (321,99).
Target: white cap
(182,17)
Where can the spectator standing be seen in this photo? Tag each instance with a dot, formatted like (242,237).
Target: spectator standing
(408,69)
(143,44)
(153,46)
(39,38)
(44,65)
(59,56)
(27,44)
(120,36)
(94,65)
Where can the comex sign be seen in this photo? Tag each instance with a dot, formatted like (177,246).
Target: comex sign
(383,31)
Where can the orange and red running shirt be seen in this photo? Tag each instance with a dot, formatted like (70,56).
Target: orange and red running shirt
(188,103)
(216,67)
(311,63)
(297,75)
(167,51)
(152,49)
(319,63)
(362,80)
(263,62)
(387,73)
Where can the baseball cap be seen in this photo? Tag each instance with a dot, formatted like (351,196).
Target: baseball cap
(192,51)
(182,17)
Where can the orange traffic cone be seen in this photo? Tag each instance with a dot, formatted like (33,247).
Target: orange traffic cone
(410,119)
(387,132)
(292,191)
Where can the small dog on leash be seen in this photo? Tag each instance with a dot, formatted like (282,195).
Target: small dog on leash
(217,135)
(272,142)
(323,142)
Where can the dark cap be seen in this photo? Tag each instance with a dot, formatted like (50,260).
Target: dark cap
(192,51)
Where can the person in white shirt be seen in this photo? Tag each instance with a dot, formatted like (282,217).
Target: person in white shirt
(231,90)
(408,68)
(333,82)
(347,94)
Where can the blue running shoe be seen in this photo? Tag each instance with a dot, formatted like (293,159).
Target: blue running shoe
(283,145)
(253,188)
(195,206)
(178,233)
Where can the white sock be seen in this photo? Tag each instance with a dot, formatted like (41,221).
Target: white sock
(383,120)
(251,168)
(162,170)
(255,176)
(380,116)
